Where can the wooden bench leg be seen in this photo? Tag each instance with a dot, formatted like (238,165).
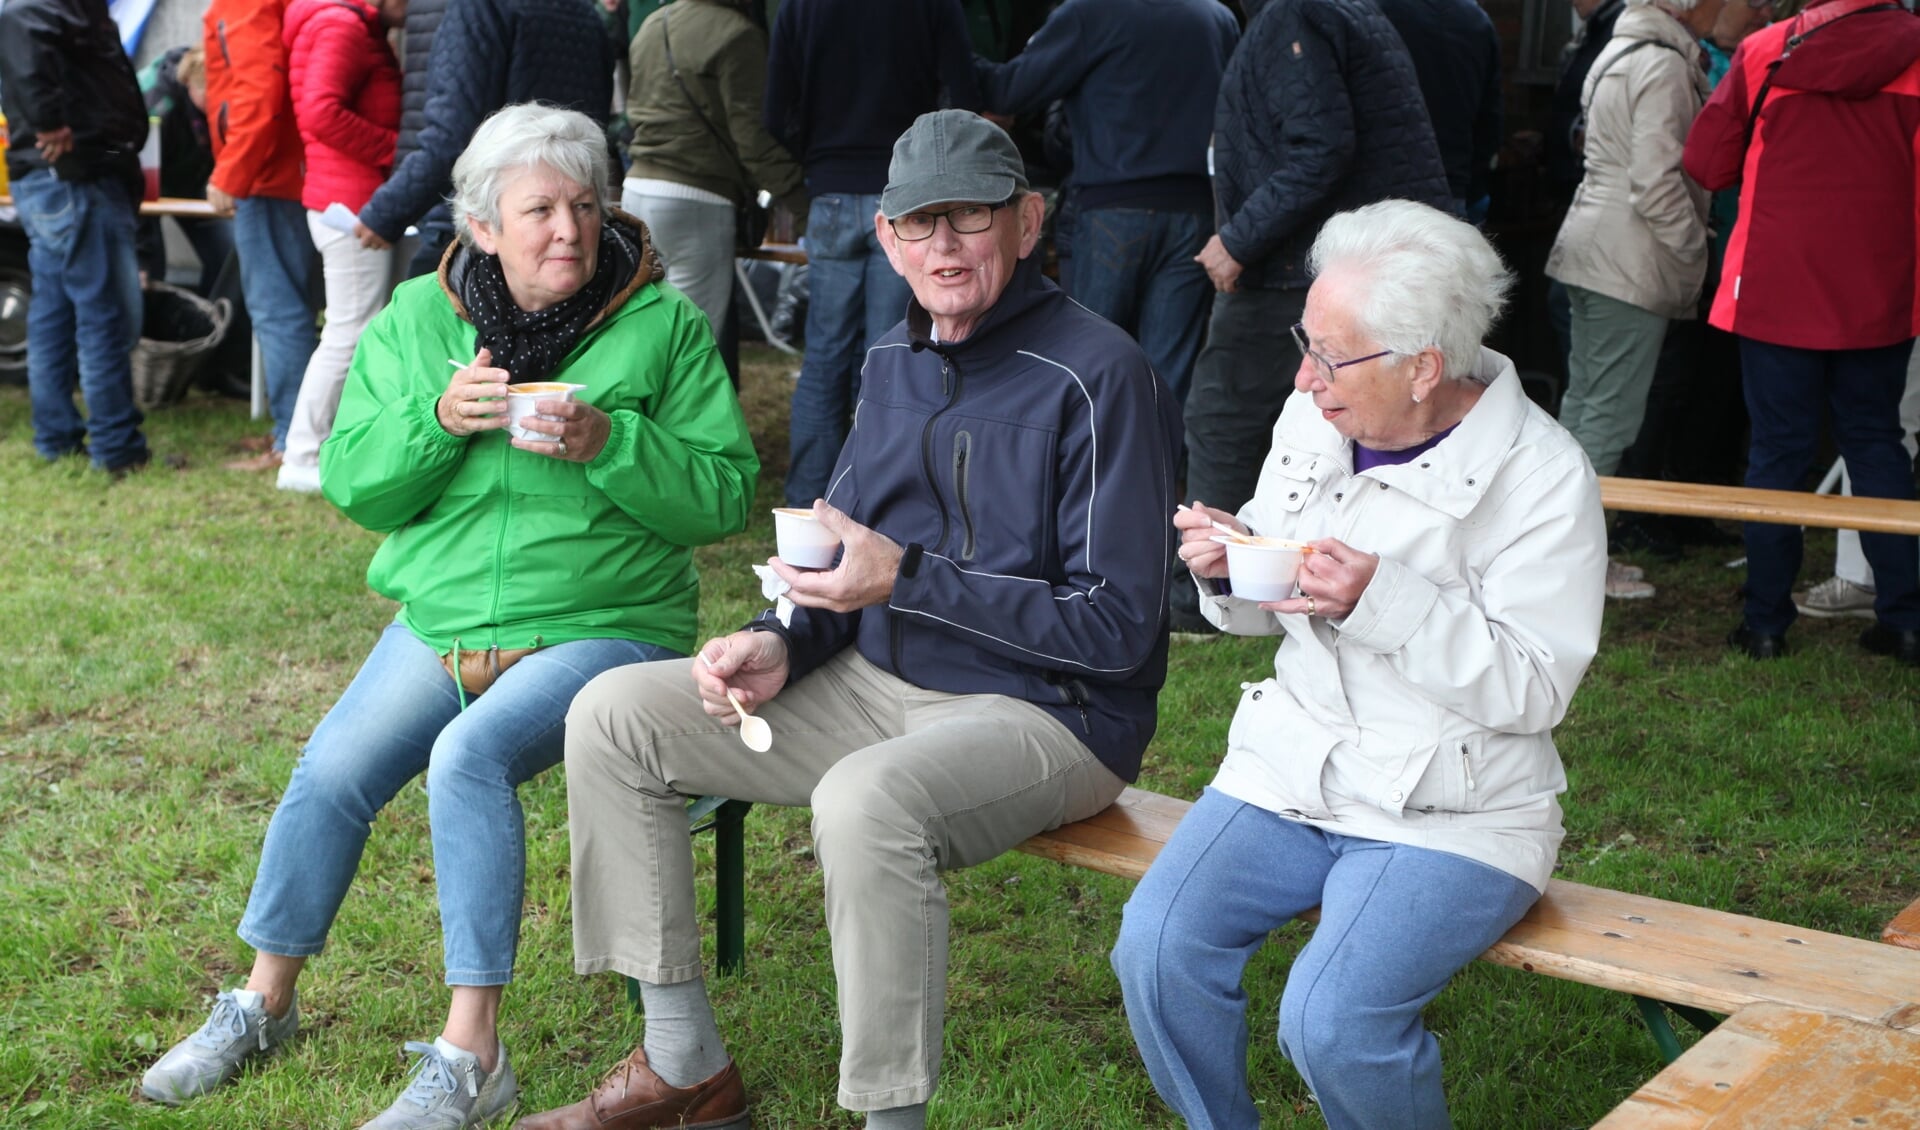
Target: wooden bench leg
(728,820)
(1655,1014)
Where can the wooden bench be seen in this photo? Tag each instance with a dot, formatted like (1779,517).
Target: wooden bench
(1805,1003)
(1750,504)
(1904,930)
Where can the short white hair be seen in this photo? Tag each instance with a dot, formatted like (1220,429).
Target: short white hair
(1428,280)
(524,136)
(1669,5)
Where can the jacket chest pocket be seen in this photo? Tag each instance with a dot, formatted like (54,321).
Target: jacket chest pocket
(997,483)
(1288,482)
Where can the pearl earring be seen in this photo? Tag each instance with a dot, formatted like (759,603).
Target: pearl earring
(1416,398)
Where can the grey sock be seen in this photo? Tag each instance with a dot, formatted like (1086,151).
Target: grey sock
(898,1118)
(682,1041)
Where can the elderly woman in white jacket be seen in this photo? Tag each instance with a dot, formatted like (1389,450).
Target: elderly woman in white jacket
(1632,250)
(1398,770)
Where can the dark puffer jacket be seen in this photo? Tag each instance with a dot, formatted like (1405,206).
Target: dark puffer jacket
(1319,113)
(488,54)
(423,20)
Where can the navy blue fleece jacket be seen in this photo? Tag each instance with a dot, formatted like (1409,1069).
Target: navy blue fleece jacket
(1033,463)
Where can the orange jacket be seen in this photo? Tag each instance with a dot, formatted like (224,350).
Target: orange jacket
(256,141)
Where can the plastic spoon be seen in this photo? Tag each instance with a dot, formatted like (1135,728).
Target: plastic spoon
(754,730)
(1221,526)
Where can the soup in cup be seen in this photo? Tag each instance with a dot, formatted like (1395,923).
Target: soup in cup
(522,398)
(1263,569)
(801,540)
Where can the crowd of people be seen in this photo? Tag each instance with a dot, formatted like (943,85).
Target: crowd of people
(1031,482)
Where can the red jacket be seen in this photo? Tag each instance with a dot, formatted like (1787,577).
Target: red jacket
(256,145)
(346,96)
(1826,253)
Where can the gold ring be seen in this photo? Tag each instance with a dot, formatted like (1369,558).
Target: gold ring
(559,447)
(1310,606)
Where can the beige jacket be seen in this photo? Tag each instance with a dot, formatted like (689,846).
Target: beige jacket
(1426,716)
(1637,230)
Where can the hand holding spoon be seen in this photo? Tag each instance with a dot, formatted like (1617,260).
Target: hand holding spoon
(754,730)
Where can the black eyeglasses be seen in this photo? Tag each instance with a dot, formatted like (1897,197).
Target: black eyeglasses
(964,219)
(1328,368)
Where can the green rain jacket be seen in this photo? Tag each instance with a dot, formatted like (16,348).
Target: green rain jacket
(496,547)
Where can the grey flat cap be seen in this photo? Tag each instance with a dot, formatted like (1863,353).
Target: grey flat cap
(950,157)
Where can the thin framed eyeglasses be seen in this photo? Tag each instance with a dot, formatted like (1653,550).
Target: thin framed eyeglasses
(1328,368)
(964,219)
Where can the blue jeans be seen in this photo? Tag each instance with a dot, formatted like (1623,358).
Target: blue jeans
(398,718)
(854,297)
(1134,267)
(1396,922)
(276,265)
(85,316)
(1789,392)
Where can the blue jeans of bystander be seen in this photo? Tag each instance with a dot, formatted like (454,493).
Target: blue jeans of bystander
(854,296)
(1789,392)
(276,265)
(85,317)
(398,718)
(1135,268)
(1396,923)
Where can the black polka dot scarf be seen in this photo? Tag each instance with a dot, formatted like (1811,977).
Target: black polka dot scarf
(530,344)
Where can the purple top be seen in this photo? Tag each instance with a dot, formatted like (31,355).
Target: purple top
(1366,458)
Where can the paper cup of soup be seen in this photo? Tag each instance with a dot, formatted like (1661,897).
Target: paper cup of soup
(801,540)
(1263,569)
(522,398)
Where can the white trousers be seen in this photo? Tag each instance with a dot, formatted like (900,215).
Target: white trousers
(694,239)
(357,287)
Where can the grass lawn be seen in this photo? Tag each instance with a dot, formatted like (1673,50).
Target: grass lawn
(171,641)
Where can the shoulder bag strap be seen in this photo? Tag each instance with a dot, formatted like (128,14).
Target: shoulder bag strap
(726,143)
(1792,44)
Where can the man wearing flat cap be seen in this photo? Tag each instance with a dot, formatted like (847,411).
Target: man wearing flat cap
(980,665)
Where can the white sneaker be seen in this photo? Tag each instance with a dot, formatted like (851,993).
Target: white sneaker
(238,1029)
(1624,582)
(305,480)
(449,1090)
(1834,597)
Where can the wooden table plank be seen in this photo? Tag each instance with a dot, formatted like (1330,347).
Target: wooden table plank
(1770,1066)
(165,206)
(1749,504)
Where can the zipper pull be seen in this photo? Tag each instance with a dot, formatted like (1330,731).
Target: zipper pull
(1466,762)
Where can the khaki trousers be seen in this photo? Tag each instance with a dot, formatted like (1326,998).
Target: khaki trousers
(904,783)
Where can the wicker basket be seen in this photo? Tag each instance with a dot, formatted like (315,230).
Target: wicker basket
(185,328)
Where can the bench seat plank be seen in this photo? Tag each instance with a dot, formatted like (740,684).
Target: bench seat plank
(1750,504)
(1773,1066)
(1904,930)
(1630,943)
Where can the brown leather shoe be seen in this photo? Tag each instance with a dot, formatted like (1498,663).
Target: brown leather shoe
(265,461)
(632,1097)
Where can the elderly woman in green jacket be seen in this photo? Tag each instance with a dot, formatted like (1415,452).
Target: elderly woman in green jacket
(523,568)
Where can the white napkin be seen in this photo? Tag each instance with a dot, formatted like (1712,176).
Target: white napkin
(339,218)
(775,589)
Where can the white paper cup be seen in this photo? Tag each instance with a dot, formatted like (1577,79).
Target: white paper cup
(1263,569)
(522,398)
(801,540)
